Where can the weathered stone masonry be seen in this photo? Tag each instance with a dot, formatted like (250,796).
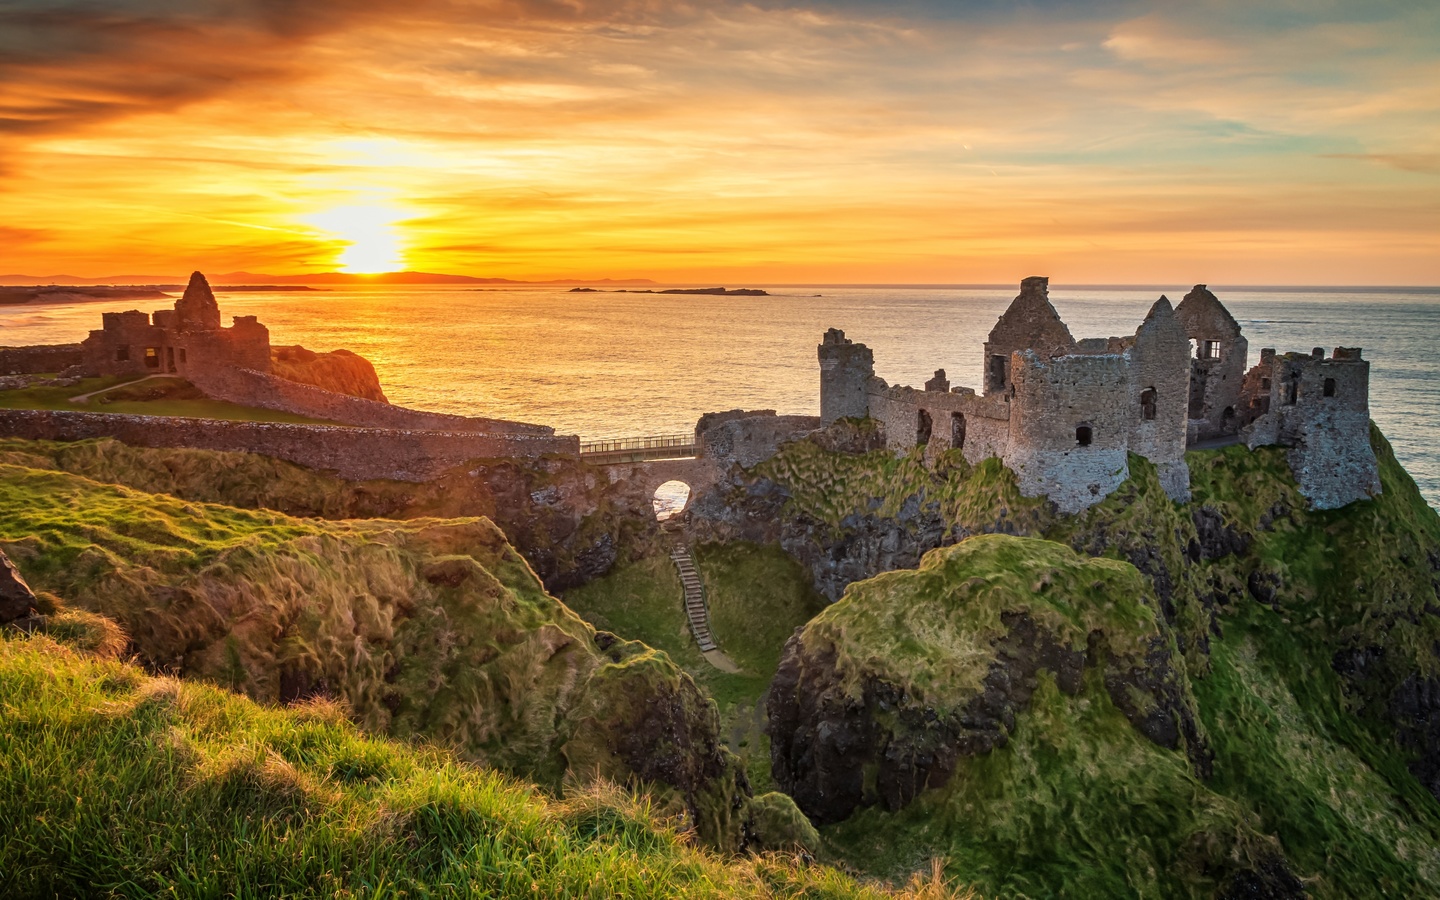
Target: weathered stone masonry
(357,454)
(1064,415)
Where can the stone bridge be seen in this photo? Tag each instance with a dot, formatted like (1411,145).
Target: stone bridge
(642,479)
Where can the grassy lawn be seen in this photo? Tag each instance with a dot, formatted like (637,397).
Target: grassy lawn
(758,596)
(157,397)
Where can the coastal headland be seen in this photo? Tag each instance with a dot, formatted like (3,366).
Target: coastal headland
(1139,615)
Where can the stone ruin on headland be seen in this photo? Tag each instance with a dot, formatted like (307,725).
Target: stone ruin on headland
(1064,414)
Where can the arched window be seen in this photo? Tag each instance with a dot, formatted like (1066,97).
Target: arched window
(1147,403)
(923,427)
(957,430)
(1083,435)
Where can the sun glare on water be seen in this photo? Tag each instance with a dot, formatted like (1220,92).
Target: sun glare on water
(372,244)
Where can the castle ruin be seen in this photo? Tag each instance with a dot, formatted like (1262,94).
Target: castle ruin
(187,341)
(1065,414)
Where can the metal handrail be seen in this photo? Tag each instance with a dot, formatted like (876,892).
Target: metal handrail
(651,442)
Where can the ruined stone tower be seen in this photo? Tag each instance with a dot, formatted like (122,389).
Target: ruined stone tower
(1320,409)
(1160,396)
(1217,369)
(1030,323)
(197,309)
(845,371)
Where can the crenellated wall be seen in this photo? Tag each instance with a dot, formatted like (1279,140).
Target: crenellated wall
(958,418)
(1318,408)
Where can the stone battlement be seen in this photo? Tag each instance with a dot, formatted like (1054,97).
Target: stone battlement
(1064,415)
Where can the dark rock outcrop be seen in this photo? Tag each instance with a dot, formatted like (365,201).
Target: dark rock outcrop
(16,598)
(849,729)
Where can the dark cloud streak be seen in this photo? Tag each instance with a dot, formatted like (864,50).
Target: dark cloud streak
(65,65)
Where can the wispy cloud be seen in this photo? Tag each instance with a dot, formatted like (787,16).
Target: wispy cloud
(915,140)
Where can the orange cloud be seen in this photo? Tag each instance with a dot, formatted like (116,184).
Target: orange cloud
(718,141)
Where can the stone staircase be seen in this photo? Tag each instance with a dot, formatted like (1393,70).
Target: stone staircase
(695,608)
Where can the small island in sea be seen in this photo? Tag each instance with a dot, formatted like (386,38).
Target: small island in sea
(710,291)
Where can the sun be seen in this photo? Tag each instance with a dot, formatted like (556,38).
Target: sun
(371,241)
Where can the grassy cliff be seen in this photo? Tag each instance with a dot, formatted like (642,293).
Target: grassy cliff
(425,628)
(554,510)
(120,784)
(1298,653)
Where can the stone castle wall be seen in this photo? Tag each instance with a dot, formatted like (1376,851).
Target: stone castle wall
(40,359)
(958,418)
(1069,426)
(1160,395)
(1318,408)
(258,389)
(748,437)
(357,454)
(845,372)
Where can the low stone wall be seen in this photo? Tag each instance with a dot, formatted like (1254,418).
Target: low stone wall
(250,388)
(357,454)
(42,358)
(748,437)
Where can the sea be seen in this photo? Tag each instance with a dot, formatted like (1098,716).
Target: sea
(609,364)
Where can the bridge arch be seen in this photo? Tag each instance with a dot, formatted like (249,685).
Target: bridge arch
(645,478)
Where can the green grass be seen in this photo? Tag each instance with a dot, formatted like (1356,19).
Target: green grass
(1079,803)
(426,628)
(758,596)
(58,398)
(119,784)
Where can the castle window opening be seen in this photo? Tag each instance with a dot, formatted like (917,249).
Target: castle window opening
(923,427)
(957,430)
(670,499)
(170,359)
(1292,392)
(1083,436)
(152,357)
(1210,350)
(122,353)
(997,372)
(1228,414)
(1329,387)
(182,355)
(1147,403)
(1264,384)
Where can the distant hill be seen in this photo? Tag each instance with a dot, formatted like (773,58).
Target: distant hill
(334,278)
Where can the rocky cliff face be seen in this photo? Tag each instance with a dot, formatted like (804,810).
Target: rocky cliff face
(339,371)
(873,704)
(560,514)
(1289,681)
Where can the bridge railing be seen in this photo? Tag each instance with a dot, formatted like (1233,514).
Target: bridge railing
(651,442)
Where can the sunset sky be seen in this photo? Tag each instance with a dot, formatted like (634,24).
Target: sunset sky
(1230,142)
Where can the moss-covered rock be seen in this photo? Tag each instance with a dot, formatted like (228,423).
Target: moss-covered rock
(776,823)
(880,696)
